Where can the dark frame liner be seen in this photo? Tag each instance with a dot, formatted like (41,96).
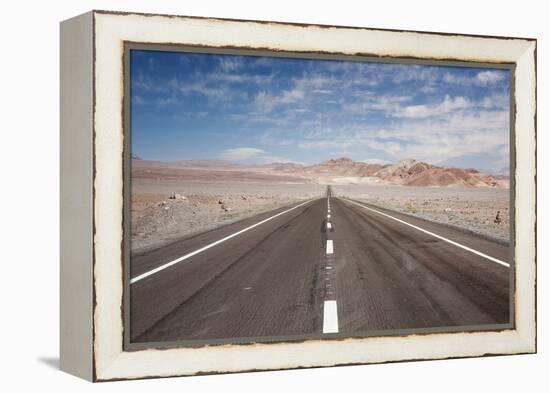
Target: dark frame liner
(126,245)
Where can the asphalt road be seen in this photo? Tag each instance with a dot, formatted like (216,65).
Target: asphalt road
(325,266)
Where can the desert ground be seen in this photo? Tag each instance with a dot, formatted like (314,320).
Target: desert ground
(473,209)
(158,219)
(173,202)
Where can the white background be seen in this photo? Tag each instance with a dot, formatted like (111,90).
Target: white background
(29,224)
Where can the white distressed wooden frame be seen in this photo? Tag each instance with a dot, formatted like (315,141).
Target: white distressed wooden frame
(92,48)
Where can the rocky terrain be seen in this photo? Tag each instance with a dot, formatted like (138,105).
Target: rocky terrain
(473,209)
(172,200)
(339,171)
(406,172)
(414,173)
(165,210)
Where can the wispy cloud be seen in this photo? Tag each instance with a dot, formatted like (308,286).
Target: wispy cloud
(482,78)
(230,64)
(486,77)
(324,144)
(449,104)
(300,110)
(253,155)
(266,102)
(241,153)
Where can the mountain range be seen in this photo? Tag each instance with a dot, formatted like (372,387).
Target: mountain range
(408,172)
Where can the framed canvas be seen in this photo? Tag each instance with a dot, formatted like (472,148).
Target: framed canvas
(246,195)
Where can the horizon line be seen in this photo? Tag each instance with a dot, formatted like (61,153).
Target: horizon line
(137,157)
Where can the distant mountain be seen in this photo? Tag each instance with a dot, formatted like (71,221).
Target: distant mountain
(206,164)
(343,167)
(344,170)
(408,172)
(284,166)
(136,157)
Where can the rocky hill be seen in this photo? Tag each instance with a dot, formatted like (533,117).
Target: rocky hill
(414,173)
(407,172)
(343,167)
(342,170)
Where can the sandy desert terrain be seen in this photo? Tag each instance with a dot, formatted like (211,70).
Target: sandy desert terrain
(198,205)
(473,209)
(171,201)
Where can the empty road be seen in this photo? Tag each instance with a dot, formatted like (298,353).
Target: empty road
(324,266)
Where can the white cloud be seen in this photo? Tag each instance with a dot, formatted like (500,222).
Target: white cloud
(275,138)
(138,100)
(305,91)
(388,104)
(241,153)
(291,96)
(482,78)
(255,155)
(203,89)
(332,107)
(238,78)
(438,140)
(406,73)
(229,63)
(447,105)
(266,102)
(462,128)
(497,101)
(486,77)
(323,144)
(389,147)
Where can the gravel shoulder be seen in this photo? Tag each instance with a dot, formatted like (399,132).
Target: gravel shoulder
(474,210)
(166,210)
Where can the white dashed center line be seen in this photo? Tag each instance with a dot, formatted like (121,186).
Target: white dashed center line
(330,248)
(330,317)
(330,308)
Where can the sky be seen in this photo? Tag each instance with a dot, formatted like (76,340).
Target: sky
(258,110)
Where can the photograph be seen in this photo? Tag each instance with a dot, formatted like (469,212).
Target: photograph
(276,197)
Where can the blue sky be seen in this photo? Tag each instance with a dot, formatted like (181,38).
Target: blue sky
(252,109)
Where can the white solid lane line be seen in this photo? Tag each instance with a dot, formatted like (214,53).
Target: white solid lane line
(187,256)
(330,247)
(436,235)
(330,317)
